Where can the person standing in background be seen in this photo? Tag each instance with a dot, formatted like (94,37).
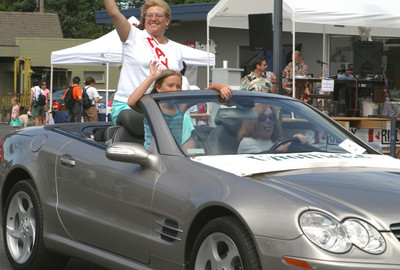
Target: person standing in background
(15,123)
(259,80)
(301,69)
(91,114)
(43,86)
(49,115)
(75,113)
(38,113)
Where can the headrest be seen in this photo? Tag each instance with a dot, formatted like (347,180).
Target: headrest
(231,118)
(132,121)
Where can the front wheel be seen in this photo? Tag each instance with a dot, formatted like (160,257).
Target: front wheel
(224,243)
(23,231)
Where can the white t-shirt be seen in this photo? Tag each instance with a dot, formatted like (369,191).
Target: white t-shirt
(36,92)
(92,93)
(136,58)
(251,145)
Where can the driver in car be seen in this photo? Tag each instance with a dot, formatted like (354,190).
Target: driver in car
(261,134)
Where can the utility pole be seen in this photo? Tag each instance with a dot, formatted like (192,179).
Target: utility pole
(41,6)
(277,51)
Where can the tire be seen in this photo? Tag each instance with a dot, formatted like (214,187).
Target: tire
(225,244)
(23,231)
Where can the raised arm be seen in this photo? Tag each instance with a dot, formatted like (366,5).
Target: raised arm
(142,88)
(224,90)
(121,24)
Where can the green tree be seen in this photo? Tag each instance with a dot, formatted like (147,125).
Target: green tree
(130,4)
(77,17)
(181,2)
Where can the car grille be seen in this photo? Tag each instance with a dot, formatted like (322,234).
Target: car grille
(395,228)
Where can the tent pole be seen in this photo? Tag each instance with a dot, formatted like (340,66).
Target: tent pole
(323,50)
(208,52)
(51,88)
(107,77)
(328,49)
(293,56)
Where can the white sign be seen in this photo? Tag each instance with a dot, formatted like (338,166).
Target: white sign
(247,164)
(327,85)
(352,147)
(203,47)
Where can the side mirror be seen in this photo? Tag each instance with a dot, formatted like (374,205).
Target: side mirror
(129,152)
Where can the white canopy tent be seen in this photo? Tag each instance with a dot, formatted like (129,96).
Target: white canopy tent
(314,16)
(107,51)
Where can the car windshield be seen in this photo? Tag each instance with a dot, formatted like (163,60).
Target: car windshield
(207,125)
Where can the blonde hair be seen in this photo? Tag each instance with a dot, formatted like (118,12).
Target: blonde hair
(15,99)
(154,3)
(47,107)
(251,128)
(165,74)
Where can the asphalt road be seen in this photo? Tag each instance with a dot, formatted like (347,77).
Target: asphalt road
(73,264)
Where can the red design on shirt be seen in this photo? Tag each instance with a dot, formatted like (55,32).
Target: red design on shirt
(165,63)
(157,51)
(150,39)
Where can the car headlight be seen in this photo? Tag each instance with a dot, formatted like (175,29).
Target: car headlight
(325,232)
(364,236)
(331,235)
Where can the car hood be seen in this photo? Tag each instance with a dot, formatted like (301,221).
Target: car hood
(343,185)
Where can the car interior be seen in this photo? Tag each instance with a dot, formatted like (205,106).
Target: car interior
(217,138)
(218,134)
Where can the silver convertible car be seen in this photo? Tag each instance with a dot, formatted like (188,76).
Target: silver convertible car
(194,181)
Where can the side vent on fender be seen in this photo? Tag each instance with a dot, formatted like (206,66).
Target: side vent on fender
(169,230)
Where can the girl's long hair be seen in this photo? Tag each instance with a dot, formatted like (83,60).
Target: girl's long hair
(164,74)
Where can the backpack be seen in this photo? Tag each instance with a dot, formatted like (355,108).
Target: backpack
(41,100)
(86,101)
(69,98)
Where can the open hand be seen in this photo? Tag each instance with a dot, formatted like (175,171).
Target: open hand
(155,70)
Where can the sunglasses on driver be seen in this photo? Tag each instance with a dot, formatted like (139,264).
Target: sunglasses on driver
(263,117)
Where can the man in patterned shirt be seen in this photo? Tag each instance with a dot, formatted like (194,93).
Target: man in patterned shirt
(301,68)
(259,80)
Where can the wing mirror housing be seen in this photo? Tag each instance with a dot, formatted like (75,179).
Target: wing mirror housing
(131,153)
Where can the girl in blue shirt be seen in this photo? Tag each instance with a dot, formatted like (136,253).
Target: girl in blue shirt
(179,123)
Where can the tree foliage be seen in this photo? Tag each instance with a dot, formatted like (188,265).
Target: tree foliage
(181,2)
(77,17)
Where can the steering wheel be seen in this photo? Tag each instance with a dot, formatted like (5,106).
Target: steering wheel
(274,148)
(283,142)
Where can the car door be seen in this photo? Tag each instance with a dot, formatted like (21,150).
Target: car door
(104,203)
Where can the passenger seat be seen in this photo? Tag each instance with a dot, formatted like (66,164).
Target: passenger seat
(129,128)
